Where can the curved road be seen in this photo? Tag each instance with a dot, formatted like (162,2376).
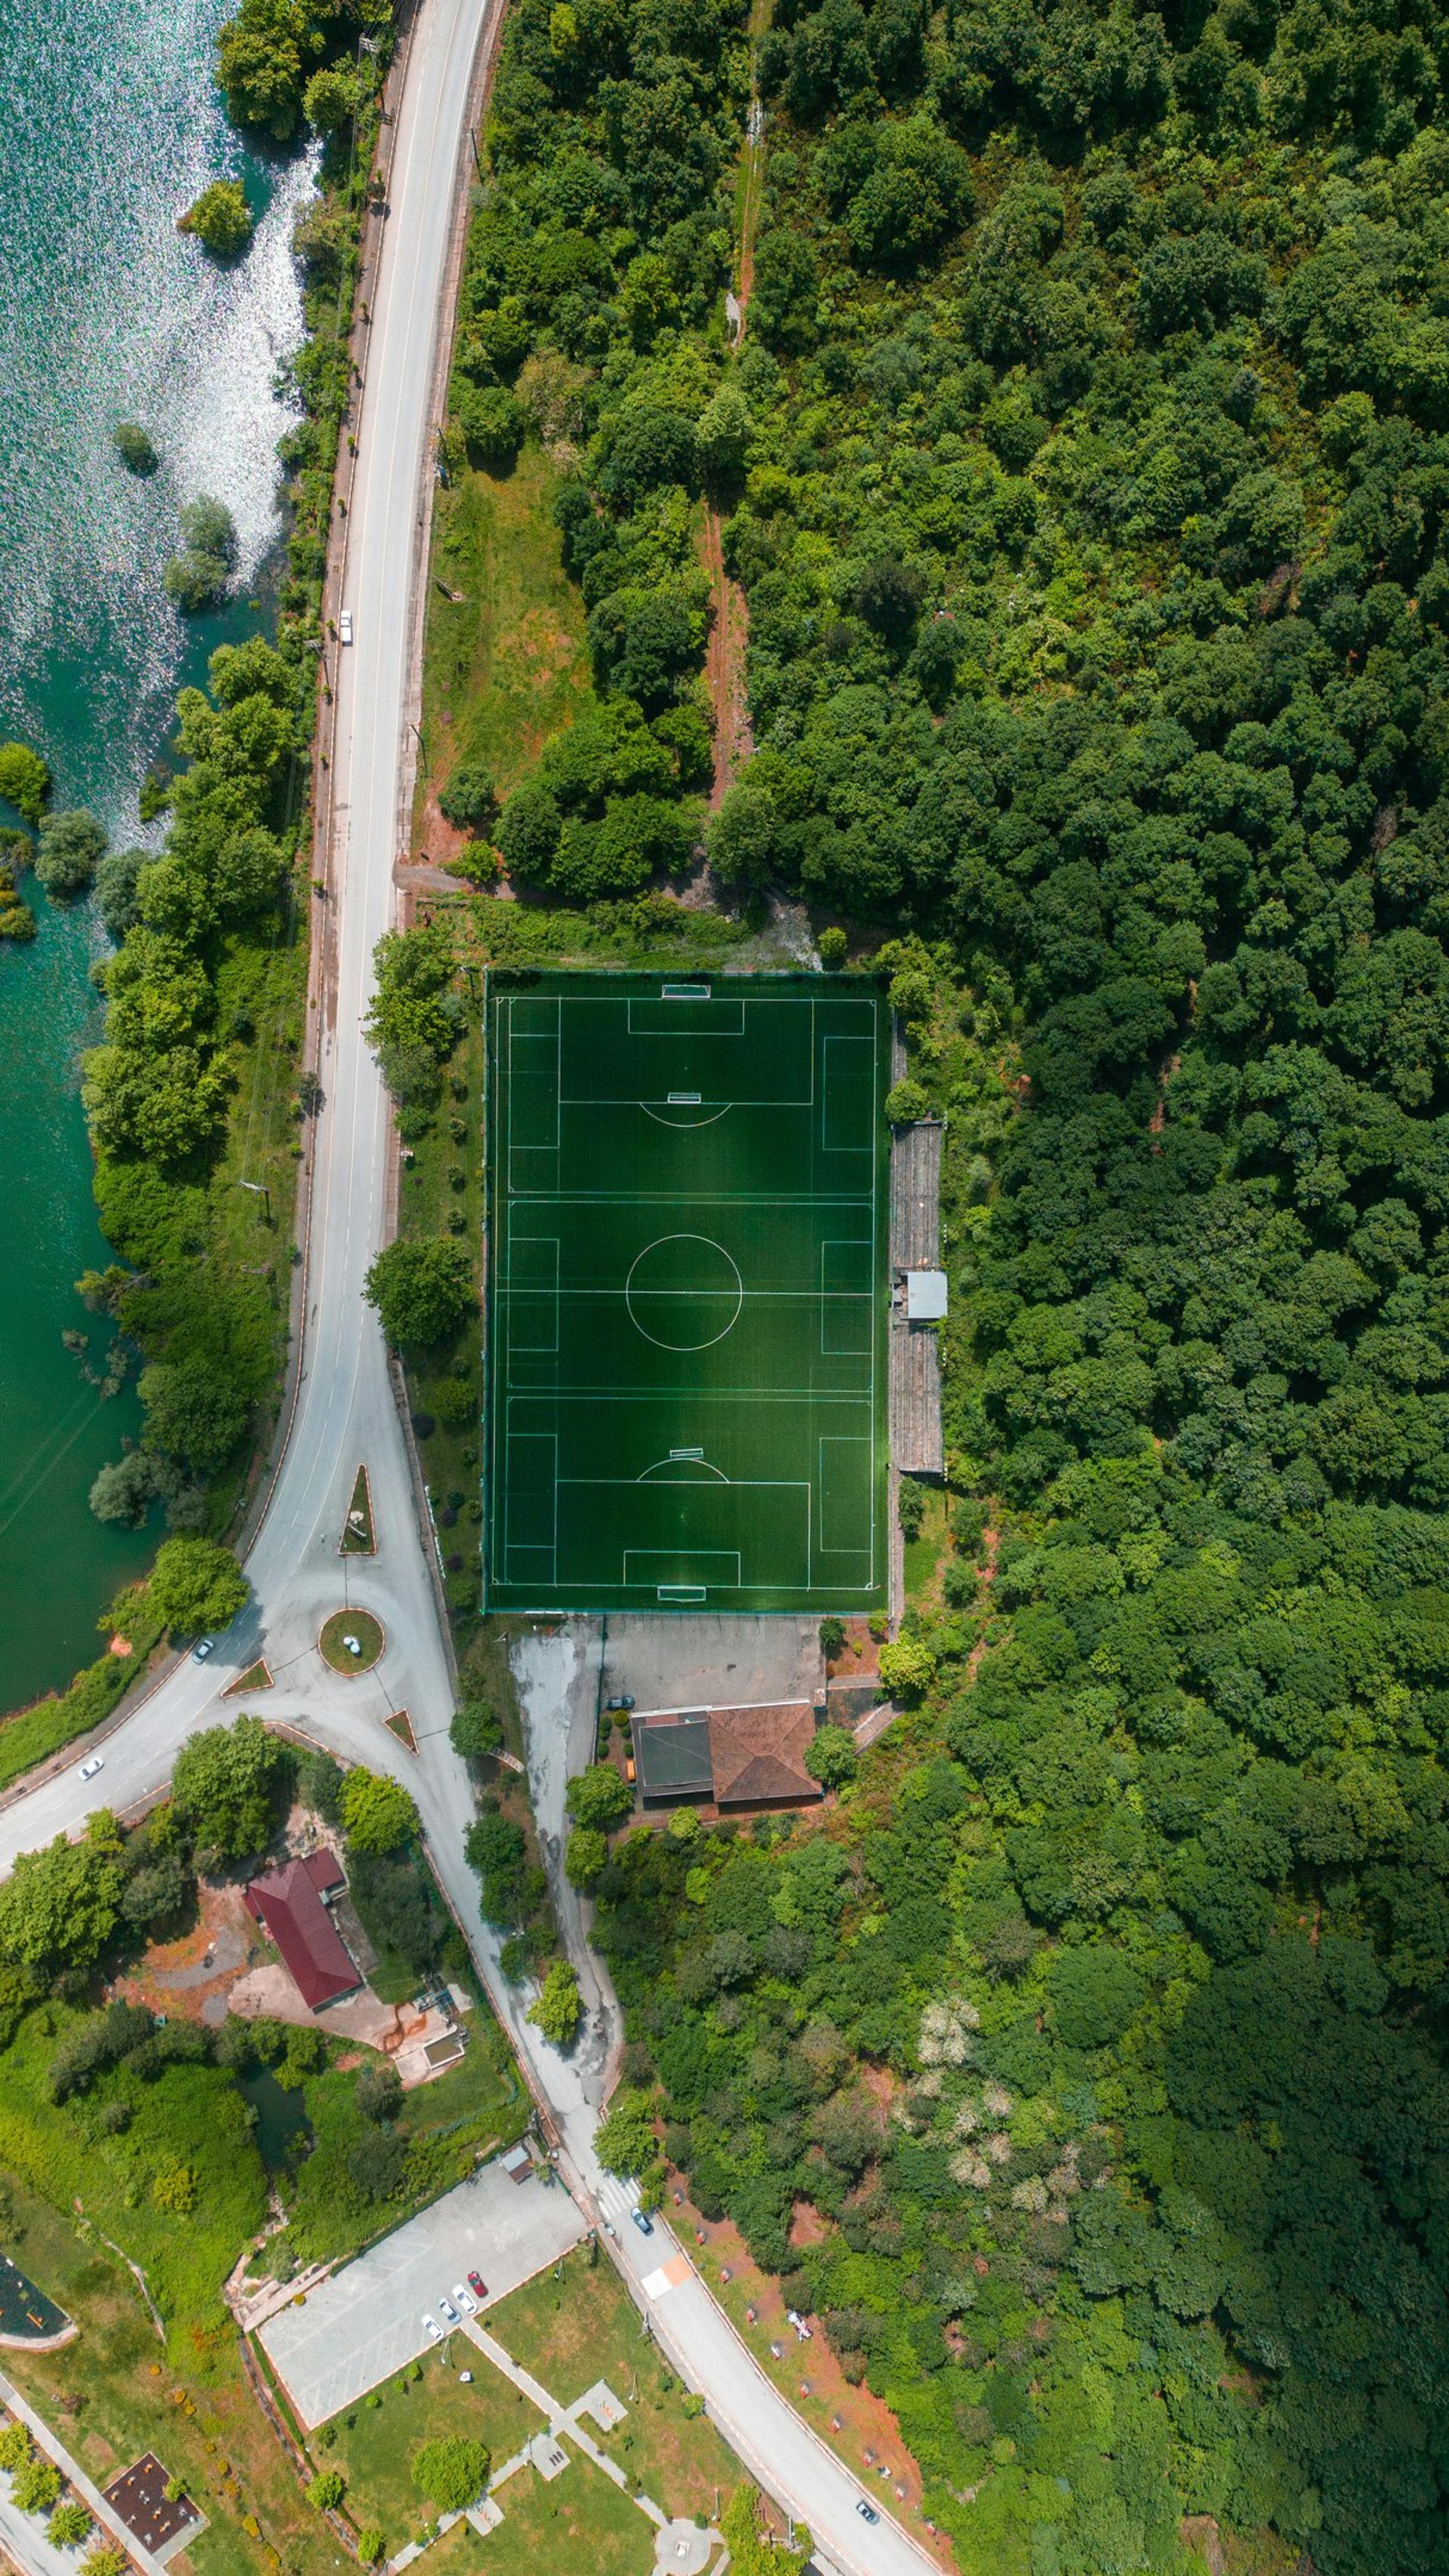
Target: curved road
(345,1412)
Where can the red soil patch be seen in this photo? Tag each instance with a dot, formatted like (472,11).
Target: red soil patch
(440,839)
(172,1977)
(807,2227)
(859,1657)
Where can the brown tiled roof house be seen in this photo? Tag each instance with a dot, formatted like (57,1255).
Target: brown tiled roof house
(757,1755)
(732,1757)
(288,1902)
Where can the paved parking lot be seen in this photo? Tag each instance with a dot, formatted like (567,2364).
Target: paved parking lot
(714,1659)
(366,2321)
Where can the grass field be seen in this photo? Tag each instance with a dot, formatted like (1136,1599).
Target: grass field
(504,664)
(582,2325)
(687,1293)
(374,2442)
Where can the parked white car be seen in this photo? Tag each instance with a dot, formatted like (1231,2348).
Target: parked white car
(344,626)
(431,2328)
(464,2299)
(449,2311)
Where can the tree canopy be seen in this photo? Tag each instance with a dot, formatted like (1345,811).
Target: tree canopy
(224,1787)
(422,1290)
(378,1815)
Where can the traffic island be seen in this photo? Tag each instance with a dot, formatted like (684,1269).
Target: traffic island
(351,1641)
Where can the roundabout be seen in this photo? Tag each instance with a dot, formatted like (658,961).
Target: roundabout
(351,1641)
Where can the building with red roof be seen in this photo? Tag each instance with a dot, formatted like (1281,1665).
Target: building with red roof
(287,1902)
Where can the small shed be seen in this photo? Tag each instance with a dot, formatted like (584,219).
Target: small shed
(925,1296)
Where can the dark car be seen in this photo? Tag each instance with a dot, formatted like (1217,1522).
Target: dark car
(623,1700)
(644,2225)
(477,2285)
(867,2512)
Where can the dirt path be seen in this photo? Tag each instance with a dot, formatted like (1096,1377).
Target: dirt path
(725,664)
(729,627)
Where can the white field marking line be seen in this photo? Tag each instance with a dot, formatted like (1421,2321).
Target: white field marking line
(623,1199)
(685,1126)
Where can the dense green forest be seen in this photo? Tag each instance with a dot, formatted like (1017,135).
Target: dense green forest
(1085,465)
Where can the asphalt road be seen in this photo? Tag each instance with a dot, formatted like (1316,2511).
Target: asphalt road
(345,1412)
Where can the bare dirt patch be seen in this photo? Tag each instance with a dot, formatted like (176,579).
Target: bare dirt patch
(181,1977)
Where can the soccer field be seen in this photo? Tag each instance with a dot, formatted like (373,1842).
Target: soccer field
(687,1293)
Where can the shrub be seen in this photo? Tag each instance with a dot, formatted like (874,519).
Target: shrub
(135,449)
(24,780)
(468,798)
(221,220)
(70,2524)
(454,1401)
(378,1816)
(451,2472)
(834,947)
(557,2007)
(72,846)
(326,2490)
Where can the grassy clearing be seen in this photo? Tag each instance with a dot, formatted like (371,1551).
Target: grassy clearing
(923,1555)
(189,2121)
(373,2442)
(575,2525)
(583,2326)
(505,666)
(115,2393)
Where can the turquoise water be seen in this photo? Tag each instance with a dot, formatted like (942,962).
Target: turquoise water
(109,126)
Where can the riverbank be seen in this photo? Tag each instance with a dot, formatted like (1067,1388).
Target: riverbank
(211,1234)
(108,313)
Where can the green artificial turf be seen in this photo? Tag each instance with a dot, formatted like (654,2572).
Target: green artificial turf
(687,1292)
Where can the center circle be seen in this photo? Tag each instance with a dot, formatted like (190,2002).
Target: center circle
(684,1292)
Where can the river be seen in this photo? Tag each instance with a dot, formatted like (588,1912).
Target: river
(109,127)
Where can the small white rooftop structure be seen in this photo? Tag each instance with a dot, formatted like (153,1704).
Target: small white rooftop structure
(925,1296)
